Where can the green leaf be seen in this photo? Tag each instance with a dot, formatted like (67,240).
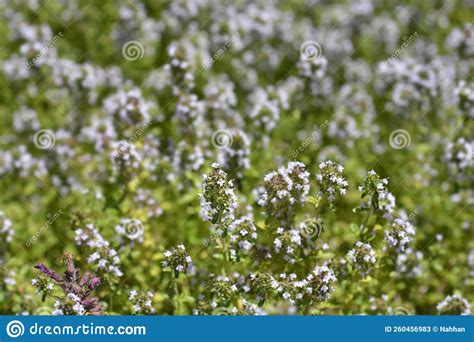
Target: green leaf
(187,299)
(354,228)
(218,256)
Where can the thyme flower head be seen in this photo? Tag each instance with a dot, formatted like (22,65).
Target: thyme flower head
(178,260)
(454,305)
(400,234)
(331,180)
(285,190)
(218,199)
(362,257)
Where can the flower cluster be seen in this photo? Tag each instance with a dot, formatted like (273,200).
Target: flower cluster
(222,290)
(218,200)
(6,230)
(288,242)
(381,306)
(400,235)
(464,94)
(126,159)
(408,264)
(178,260)
(242,235)
(380,199)
(460,39)
(6,236)
(264,285)
(459,155)
(318,285)
(265,114)
(362,257)
(411,84)
(21,163)
(313,289)
(103,257)
(127,107)
(145,199)
(331,180)
(142,303)
(454,305)
(25,120)
(285,190)
(313,72)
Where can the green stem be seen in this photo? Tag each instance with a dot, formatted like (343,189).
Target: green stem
(111,303)
(224,245)
(366,221)
(177,303)
(226,256)
(321,203)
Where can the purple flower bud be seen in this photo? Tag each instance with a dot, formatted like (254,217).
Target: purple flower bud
(71,273)
(95,281)
(85,278)
(92,305)
(53,275)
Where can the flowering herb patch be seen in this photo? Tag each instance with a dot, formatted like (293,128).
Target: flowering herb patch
(236,158)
